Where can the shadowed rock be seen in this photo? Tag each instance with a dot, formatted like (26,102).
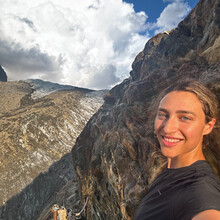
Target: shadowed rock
(3,76)
(57,185)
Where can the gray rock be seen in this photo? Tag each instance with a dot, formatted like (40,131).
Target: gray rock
(3,76)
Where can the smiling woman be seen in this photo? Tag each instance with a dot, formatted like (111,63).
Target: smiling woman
(180,126)
(188,188)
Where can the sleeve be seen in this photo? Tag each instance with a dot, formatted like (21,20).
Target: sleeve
(195,198)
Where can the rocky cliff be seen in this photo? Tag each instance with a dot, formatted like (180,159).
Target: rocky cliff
(39,123)
(3,76)
(118,140)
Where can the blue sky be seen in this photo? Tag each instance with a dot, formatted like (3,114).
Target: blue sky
(153,8)
(89,43)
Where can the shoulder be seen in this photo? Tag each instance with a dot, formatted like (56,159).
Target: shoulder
(202,192)
(208,214)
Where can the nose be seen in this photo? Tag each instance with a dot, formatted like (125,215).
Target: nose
(170,125)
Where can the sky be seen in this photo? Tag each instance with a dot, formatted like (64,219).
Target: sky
(87,43)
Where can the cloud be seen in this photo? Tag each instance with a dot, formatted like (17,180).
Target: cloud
(89,43)
(29,23)
(105,78)
(171,16)
(28,63)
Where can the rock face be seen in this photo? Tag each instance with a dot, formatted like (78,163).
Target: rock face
(3,76)
(118,140)
(37,132)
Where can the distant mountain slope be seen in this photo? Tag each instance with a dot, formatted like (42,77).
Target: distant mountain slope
(39,123)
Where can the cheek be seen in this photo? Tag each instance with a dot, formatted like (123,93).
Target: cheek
(158,124)
(193,132)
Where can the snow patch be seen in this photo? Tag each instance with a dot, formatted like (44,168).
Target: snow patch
(42,88)
(93,100)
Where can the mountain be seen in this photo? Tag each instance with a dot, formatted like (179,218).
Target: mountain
(39,123)
(3,76)
(119,138)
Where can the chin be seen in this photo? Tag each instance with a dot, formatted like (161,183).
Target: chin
(168,153)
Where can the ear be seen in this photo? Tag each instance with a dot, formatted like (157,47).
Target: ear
(209,126)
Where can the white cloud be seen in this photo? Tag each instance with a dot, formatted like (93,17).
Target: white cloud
(89,43)
(103,78)
(171,16)
(22,61)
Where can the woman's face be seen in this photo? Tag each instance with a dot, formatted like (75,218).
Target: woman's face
(180,126)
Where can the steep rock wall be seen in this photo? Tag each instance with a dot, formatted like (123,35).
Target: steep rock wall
(112,155)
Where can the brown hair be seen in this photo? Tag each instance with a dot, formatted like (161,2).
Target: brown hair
(211,148)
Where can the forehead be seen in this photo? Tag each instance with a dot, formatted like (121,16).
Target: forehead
(181,100)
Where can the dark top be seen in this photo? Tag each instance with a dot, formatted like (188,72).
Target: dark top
(180,194)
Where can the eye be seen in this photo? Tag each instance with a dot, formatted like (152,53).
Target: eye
(162,115)
(185,118)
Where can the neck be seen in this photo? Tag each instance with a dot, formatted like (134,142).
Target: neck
(174,163)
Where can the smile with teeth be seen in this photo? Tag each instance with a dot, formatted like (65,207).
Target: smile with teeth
(171,140)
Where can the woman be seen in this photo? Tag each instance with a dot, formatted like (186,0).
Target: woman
(188,188)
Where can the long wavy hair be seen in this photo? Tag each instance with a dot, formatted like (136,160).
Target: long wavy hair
(211,145)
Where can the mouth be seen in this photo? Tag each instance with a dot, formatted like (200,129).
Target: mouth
(170,141)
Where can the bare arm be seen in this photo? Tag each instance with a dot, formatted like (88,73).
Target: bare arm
(209,214)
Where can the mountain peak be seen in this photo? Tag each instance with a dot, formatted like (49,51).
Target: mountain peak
(3,75)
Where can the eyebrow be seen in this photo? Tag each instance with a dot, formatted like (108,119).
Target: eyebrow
(179,111)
